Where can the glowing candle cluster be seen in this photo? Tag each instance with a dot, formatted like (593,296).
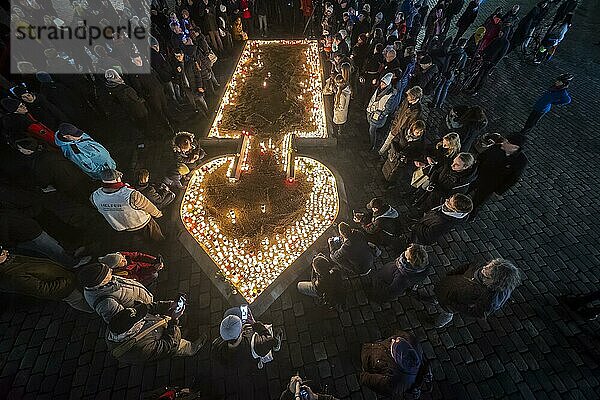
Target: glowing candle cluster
(250,60)
(251,272)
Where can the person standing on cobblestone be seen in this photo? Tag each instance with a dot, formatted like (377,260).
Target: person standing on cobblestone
(406,271)
(379,108)
(476,291)
(499,167)
(556,95)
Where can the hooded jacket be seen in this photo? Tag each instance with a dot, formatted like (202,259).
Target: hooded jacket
(552,97)
(354,254)
(435,224)
(447,182)
(382,227)
(464,291)
(119,293)
(160,343)
(399,275)
(380,106)
(87,154)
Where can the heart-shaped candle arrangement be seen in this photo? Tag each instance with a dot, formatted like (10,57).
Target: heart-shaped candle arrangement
(249,267)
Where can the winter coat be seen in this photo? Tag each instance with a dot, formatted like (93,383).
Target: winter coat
(90,156)
(469,15)
(496,51)
(447,182)
(381,373)
(399,276)
(497,171)
(381,228)
(46,112)
(405,115)
(36,277)
(119,293)
(159,194)
(330,286)
(380,106)
(425,78)
(354,254)
(208,17)
(434,225)
(128,100)
(161,66)
(552,97)
(454,8)
(140,267)
(464,291)
(340,106)
(160,343)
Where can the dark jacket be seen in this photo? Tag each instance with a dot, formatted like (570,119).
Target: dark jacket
(159,194)
(447,182)
(399,275)
(17,228)
(464,291)
(36,277)
(425,78)
(496,50)
(160,343)
(497,171)
(128,99)
(161,66)
(381,373)
(469,15)
(382,227)
(433,226)
(354,254)
(46,112)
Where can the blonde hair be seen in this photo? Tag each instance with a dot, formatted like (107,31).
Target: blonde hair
(341,84)
(467,159)
(346,70)
(417,256)
(454,140)
(143,176)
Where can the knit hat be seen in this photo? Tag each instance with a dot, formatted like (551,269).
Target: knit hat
(111,260)
(10,104)
(122,321)
(110,176)
(367,8)
(69,129)
(92,275)
(43,77)
(406,356)
(387,78)
(231,327)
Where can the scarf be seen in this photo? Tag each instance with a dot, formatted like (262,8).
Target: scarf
(113,185)
(121,337)
(451,213)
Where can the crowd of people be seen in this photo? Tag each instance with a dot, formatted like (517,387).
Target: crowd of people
(395,60)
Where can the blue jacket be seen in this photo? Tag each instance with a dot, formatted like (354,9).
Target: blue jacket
(552,96)
(87,154)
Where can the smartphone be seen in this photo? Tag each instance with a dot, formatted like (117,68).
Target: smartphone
(180,305)
(244,311)
(304,394)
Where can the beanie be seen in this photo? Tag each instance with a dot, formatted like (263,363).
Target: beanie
(111,260)
(110,176)
(231,327)
(43,77)
(10,104)
(93,274)
(122,321)
(19,91)
(69,129)
(387,78)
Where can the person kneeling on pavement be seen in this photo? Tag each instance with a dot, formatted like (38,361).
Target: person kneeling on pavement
(475,290)
(351,251)
(408,270)
(241,334)
(326,282)
(380,222)
(40,278)
(395,366)
(108,294)
(139,334)
(134,265)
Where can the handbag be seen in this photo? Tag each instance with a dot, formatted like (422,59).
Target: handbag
(213,58)
(420,179)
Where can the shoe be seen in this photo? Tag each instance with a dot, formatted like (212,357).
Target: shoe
(199,343)
(443,319)
(48,189)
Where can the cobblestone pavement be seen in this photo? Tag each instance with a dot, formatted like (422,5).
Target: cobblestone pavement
(533,349)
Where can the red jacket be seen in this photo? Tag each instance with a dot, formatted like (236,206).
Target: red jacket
(140,267)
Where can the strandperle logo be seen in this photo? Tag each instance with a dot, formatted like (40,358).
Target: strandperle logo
(80,36)
(89,33)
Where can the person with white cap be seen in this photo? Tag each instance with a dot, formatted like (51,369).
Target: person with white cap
(124,208)
(241,333)
(380,107)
